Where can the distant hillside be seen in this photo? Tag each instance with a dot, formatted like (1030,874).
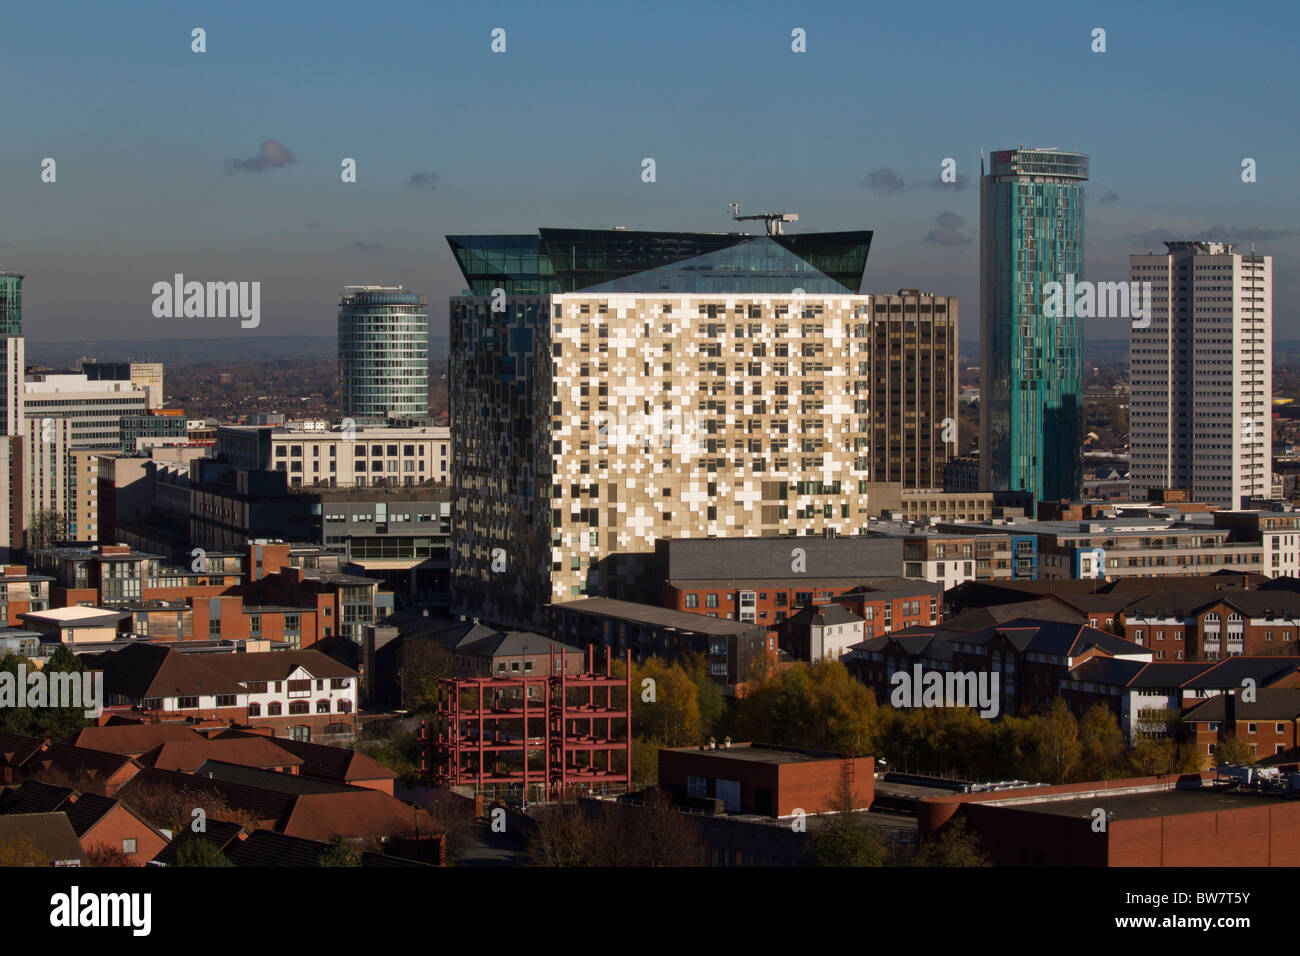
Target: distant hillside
(249,348)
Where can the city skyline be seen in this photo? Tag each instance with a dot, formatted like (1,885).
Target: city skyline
(252,191)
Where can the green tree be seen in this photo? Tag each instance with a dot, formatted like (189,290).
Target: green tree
(708,695)
(58,723)
(340,853)
(22,851)
(47,529)
(1230,750)
(819,706)
(424,664)
(201,852)
(952,845)
(842,837)
(1056,736)
(667,711)
(1101,743)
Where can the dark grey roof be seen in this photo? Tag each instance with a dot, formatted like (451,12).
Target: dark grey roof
(1232,671)
(926,643)
(267,779)
(659,616)
(1107,670)
(218,832)
(1270,703)
(1055,637)
(822,615)
(770,557)
(1169,674)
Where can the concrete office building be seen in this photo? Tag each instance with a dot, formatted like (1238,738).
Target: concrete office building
(1202,374)
(383,354)
(1031,371)
(641,385)
(340,457)
(95,408)
(146,375)
(911,365)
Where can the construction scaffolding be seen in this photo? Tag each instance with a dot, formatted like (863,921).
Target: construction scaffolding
(533,739)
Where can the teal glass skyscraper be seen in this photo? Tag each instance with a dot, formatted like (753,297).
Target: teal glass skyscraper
(383,354)
(11,352)
(1031,365)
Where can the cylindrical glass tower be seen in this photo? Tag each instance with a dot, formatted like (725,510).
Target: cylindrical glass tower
(383,354)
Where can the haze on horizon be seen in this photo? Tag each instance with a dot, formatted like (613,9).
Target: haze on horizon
(225,165)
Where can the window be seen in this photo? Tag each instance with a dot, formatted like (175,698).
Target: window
(692,600)
(322,706)
(254,710)
(711,599)
(274,709)
(128,847)
(187,703)
(300,732)
(299,707)
(226,700)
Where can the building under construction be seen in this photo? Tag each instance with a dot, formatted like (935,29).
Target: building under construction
(534,738)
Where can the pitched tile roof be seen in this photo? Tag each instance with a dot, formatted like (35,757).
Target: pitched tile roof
(1270,703)
(51,832)
(1040,609)
(76,762)
(265,805)
(1055,637)
(359,813)
(87,809)
(277,665)
(267,779)
(33,796)
(822,615)
(1107,670)
(15,749)
(217,832)
(267,848)
(1232,671)
(189,755)
(328,763)
(147,670)
(133,739)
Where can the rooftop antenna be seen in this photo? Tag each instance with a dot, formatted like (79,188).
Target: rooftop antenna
(773,220)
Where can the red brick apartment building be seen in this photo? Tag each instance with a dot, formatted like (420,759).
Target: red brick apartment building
(1267,724)
(1212,625)
(258,593)
(885,604)
(1150,822)
(764,779)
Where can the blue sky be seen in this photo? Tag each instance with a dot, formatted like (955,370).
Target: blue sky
(552,133)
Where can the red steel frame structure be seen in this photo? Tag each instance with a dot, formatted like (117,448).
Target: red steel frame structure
(488,726)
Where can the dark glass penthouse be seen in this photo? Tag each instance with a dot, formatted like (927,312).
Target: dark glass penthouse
(1031,366)
(623,260)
